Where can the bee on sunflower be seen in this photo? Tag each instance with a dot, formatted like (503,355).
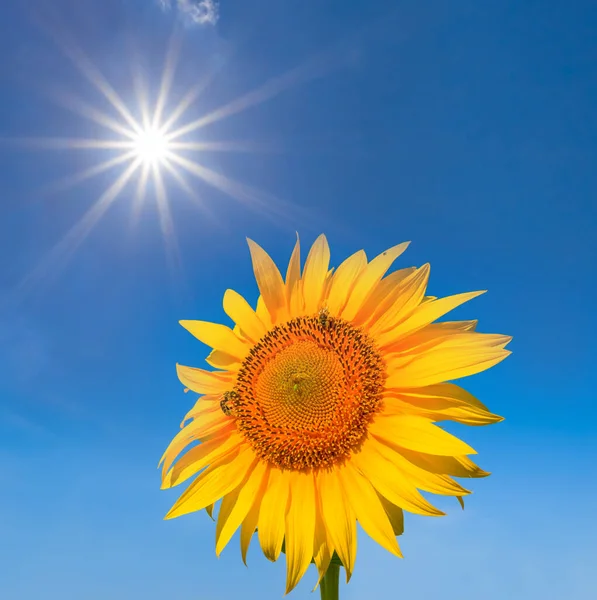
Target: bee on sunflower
(323,409)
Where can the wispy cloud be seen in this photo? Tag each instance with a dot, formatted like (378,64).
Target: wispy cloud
(199,12)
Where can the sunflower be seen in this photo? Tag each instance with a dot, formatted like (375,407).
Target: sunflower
(322,409)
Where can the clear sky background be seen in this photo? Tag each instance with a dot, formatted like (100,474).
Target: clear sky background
(467,127)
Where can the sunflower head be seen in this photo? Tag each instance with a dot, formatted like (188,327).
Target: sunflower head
(323,408)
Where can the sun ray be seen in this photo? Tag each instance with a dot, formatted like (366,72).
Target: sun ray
(57,143)
(80,176)
(140,190)
(166,222)
(167,78)
(79,106)
(225,146)
(64,249)
(268,90)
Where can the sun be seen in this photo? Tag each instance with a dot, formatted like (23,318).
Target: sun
(149,142)
(151,146)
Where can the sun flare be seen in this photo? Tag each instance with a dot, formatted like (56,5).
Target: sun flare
(151,146)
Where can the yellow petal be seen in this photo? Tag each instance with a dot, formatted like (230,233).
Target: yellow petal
(460,501)
(339,518)
(408,295)
(212,484)
(204,382)
(457,466)
(221,360)
(272,514)
(314,274)
(205,424)
(395,515)
(421,478)
(368,279)
(323,549)
(457,356)
(262,312)
(300,528)
(418,434)
(382,297)
(426,313)
(235,506)
(368,509)
(343,282)
(269,281)
(199,457)
(218,337)
(249,525)
(293,273)
(391,482)
(210,511)
(239,310)
(429,336)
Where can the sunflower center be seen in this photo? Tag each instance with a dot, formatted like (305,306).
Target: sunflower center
(307,391)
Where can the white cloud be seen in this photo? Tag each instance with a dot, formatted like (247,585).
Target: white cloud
(200,12)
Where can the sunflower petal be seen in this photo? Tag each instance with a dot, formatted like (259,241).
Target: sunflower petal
(239,310)
(249,525)
(343,281)
(382,297)
(270,526)
(315,273)
(418,434)
(369,277)
(269,281)
(293,273)
(391,482)
(339,519)
(458,356)
(408,295)
(204,382)
(300,528)
(368,509)
(199,457)
(395,515)
(424,315)
(438,409)
(213,483)
(456,466)
(236,505)
(323,548)
(206,424)
(419,477)
(218,337)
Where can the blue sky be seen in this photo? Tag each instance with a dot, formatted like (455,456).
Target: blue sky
(466,127)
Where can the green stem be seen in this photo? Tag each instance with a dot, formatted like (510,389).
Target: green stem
(330,582)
